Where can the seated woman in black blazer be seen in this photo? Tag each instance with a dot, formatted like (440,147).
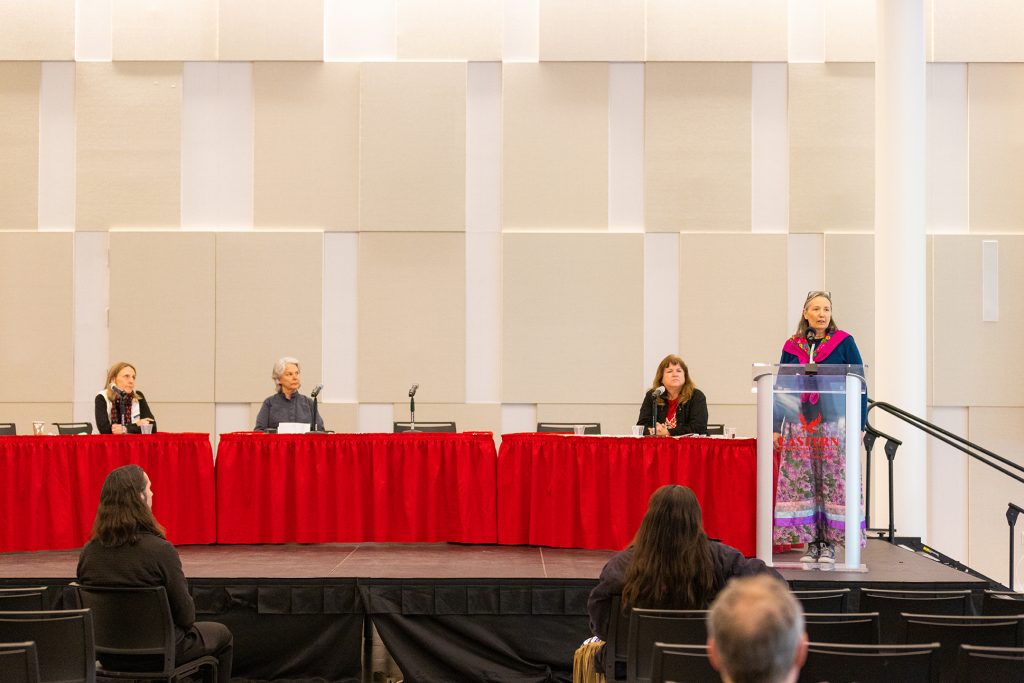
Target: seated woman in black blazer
(681,407)
(120,408)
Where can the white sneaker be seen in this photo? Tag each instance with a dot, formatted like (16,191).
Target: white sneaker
(828,553)
(812,554)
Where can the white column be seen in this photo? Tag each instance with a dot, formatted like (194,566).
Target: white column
(900,295)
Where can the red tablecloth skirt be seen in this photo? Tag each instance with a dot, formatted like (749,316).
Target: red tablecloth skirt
(50,486)
(322,488)
(592,492)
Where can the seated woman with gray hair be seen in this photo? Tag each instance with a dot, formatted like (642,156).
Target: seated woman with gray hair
(287,404)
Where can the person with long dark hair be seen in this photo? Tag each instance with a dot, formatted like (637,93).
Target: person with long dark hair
(674,403)
(671,563)
(129,548)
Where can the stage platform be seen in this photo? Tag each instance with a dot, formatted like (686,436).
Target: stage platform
(446,612)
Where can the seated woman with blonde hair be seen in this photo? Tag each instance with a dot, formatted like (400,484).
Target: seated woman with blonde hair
(120,407)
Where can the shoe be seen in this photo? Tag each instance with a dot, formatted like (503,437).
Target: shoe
(812,554)
(828,553)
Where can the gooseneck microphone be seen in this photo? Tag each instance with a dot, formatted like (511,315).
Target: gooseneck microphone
(811,368)
(654,408)
(316,407)
(412,407)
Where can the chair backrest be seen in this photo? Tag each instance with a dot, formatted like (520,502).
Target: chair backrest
(1002,602)
(8,429)
(425,427)
(676,662)
(63,638)
(843,627)
(73,427)
(716,429)
(19,663)
(650,626)
(131,622)
(847,663)
(891,603)
(566,427)
(978,664)
(615,645)
(31,598)
(824,601)
(954,631)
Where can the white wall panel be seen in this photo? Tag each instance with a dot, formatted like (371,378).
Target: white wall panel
(806,272)
(769,148)
(806,31)
(91,337)
(340,317)
(626,147)
(376,417)
(946,149)
(483,317)
(661,300)
(522,31)
(93,39)
(57,146)
(217,145)
(483,147)
(948,512)
(360,30)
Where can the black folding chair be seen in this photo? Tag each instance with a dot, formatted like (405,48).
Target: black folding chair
(849,627)
(63,638)
(716,429)
(425,427)
(891,603)
(19,663)
(29,598)
(978,664)
(8,429)
(73,427)
(828,601)
(567,427)
(851,663)
(615,647)
(954,631)
(650,626)
(1002,602)
(135,635)
(675,662)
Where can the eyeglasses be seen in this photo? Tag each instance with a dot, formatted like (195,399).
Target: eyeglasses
(816,292)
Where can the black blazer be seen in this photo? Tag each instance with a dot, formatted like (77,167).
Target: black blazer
(103,414)
(691,417)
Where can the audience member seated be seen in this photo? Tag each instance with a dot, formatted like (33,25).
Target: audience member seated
(129,548)
(680,406)
(120,408)
(756,632)
(671,564)
(287,404)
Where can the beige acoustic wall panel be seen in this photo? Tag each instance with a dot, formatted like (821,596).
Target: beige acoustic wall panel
(572,310)
(976,363)
(460,30)
(37,30)
(412,316)
(579,30)
(269,293)
(977,30)
(850,276)
(1000,430)
(162,312)
(253,30)
(720,31)
(159,30)
(413,147)
(555,148)
(697,147)
(128,145)
(37,310)
(306,149)
(184,417)
(995,100)
(19,142)
(832,141)
(732,310)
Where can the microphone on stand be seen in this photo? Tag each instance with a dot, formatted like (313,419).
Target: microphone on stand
(811,368)
(654,408)
(316,409)
(412,407)
(122,406)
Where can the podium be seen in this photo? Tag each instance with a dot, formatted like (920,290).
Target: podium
(817,409)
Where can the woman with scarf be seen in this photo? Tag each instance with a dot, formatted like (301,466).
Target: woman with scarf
(120,409)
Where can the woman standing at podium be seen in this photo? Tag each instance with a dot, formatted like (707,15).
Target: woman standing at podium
(810,496)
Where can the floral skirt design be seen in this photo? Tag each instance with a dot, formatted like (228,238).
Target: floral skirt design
(810,499)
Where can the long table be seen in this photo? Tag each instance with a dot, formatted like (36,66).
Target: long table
(50,486)
(592,491)
(323,488)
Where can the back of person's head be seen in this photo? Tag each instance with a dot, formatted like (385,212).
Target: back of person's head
(123,513)
(756,632)
(672,566)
